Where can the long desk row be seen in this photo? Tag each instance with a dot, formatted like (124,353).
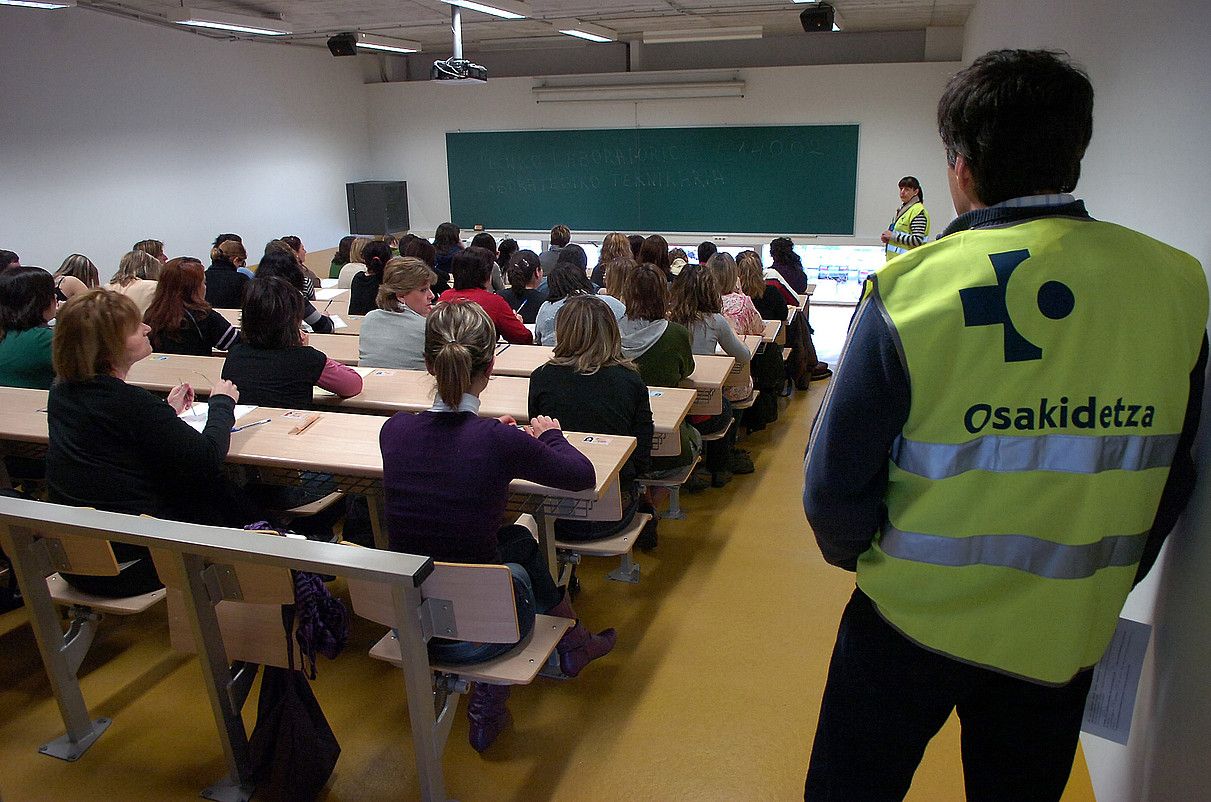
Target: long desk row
(386,391)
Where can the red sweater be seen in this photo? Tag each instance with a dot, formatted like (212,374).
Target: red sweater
(507,324)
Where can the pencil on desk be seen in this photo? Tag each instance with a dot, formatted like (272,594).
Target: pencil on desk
(307,422)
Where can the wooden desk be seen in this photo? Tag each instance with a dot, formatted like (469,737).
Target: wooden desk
(773,328)
(386,391)
(708,377)
(520,360)
(739,374)
(353,323)
(336,346)
(162,372)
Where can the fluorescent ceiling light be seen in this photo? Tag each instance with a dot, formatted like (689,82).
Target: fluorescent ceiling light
(47,6)
(497,8)
(387,45)
(584,30)
(199,18)
(701,35)
(807,2)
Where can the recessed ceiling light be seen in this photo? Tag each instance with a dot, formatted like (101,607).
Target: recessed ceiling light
(386,44)
(45,6)
(584,30)
(506,9)
(239,23)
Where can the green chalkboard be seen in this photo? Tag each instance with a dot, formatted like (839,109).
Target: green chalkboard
(786,179)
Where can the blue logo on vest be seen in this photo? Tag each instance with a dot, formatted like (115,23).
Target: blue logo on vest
(985,306)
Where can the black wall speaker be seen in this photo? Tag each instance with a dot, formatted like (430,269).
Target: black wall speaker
(343,44)
(377,207)
(817,18)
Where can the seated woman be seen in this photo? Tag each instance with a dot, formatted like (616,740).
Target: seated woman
(117,447)
(661,350)
(617,271)
(225,285)
(790,279)
(136,278)
(488,242)
(296,247)
(153,248)
(614,246)
(341,257)
(768,369)
(76,276)
(447,243)
(696,303)
(363,291)
(523,294)
(283,265)
(437,507)
(472,273)
(272,363)
(737,309)
(27,304)
(180,319)
(393,336)
(567,280)
(590,386)
(655,251)
(274,367)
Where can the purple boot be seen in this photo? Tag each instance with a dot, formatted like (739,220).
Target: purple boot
(579,647)
(486,713)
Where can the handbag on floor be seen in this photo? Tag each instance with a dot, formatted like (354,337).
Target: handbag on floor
(292,747)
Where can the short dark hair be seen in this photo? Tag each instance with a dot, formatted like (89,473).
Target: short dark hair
(636,241)
(574,255)
(420,248)
(7,258)
(484,240)
(271,313)
(283,265)
(911,182)
(560,236)
(447,237)
(508,246)
(25,293)
(471,267)
(220,239)
(375,256)
(567,279)
(1021,119)
(706,249)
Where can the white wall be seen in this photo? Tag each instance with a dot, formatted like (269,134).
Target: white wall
(893,104)
(1147,168)
(116,131)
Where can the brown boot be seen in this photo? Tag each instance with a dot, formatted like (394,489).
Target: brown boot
(486,713)
(579,647)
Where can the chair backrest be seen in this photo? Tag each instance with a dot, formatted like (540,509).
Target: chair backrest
(481,599)
(252,627)
(345,279)
(86,555)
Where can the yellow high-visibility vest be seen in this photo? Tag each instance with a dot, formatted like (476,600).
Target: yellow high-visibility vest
(903,224)
(1048,392)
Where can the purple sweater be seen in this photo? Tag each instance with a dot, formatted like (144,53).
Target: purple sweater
(446,478)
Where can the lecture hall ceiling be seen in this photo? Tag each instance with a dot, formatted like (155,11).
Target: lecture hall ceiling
(428,21)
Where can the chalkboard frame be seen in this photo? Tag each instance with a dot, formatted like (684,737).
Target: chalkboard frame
(483,169)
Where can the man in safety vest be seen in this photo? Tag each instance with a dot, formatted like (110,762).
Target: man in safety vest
(1001,453)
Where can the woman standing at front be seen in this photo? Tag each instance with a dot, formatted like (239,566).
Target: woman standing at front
(910,227)
(439,507)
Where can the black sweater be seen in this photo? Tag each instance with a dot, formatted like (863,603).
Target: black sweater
(225,286)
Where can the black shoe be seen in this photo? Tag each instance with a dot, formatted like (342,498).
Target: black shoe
(696,483)
(720,478)
(740,463)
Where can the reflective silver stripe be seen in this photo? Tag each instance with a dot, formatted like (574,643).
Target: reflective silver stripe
(895,249)
(1062,453)
(1023,552)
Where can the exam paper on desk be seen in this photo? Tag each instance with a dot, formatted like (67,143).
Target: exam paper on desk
(195,415)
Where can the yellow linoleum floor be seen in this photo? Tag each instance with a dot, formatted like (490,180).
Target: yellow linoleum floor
(711,694)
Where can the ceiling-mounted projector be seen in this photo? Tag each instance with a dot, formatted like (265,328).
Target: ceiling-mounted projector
(459,70)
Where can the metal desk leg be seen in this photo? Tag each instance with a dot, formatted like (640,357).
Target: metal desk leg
(546,537)
(238,785)
(31,564)
(428,733)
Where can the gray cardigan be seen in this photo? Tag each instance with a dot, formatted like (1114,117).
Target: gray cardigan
(392,340)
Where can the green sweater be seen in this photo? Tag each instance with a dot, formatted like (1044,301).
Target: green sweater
(663,362)
(25,359)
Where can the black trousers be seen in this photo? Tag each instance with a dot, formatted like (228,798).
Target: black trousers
(887,697)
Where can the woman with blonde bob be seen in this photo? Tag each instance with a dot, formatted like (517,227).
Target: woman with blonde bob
(393,335)
(118,447)
(437,506)
(616,273)
(136,278)
(592,387)
(614,246)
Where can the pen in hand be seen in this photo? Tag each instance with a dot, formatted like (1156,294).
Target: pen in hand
(235,429)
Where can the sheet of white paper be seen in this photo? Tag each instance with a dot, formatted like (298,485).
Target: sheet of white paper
(196,416)
(328,283)
(1116,678)
(329,293)
(338,322)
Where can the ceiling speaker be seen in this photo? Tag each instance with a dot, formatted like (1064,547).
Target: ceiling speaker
(817,18)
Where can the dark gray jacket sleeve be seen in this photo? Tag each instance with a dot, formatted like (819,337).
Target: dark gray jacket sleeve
(845,469)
